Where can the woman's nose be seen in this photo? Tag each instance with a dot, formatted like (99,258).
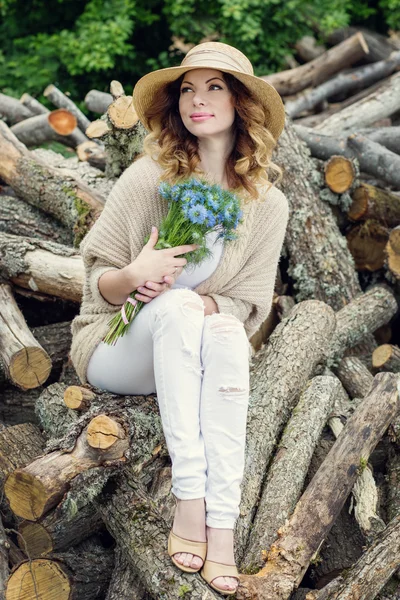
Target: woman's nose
(198,99)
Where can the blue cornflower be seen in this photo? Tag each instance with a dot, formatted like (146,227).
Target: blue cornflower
(211,220)
(164,189)
(197,213)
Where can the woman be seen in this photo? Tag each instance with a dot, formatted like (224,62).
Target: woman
(211,118)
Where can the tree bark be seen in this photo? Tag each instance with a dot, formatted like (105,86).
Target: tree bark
(60,100)
(274,386)
(290,554)
(320,263)
(97,101)
(27,364)
(19,218)
(40,266)
(386,136)
(320,69)
(52,126)
(344,83)
(368,576)
(70,201)
(289,467)
(379,45)
(4,569)
(36,107)
(382,103)
(370,202)
(367,242)
(124,584)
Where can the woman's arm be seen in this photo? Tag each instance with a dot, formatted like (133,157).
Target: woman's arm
(210,306)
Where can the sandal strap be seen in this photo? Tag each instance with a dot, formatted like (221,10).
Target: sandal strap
(211,570)
(179,544)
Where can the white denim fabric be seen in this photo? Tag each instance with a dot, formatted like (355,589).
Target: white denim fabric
(199,368)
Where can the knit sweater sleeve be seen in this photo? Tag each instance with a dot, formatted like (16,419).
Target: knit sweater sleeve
(248,295)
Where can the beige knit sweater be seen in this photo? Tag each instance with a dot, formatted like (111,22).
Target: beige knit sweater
(242,284)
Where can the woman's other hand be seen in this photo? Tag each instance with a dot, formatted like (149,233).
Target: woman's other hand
(152,289)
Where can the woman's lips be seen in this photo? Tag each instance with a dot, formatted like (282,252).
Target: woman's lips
(201,117)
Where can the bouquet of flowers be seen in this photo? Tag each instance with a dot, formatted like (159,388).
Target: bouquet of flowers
(194,209)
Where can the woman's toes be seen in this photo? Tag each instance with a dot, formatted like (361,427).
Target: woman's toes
(179,557)
(187,559)
(196,562)
(226,583)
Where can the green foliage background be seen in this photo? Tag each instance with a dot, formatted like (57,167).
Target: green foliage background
(83,44)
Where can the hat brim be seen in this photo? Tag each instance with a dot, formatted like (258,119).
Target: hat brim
(147,88)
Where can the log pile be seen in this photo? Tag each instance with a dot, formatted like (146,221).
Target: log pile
(85,476)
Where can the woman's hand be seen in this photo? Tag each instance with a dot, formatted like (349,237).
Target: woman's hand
(152,289)
(153,265)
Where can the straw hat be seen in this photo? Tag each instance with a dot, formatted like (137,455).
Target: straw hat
(213,55)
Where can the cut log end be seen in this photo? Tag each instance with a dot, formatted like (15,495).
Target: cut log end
(62,121)
(38,578)
(78,398)
(367,243)
(122,113)
(30,367)
(103,432)
(34,539)
(85,149)
(339,174)
(97,129)
(387,357)
(25,494)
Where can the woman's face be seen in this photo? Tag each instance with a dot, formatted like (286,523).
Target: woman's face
(205,103)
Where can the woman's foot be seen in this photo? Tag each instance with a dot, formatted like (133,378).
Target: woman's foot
(190,523)
(220,549)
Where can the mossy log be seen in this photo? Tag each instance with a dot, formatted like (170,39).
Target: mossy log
(323,499)
(27,364)
(344,83)
(121,132)
(80,574)
(320,69)
(58,531)
(370,202)
(380,104)
(278,373)
(364,315)
(124,584)
(19,218)
(12,110)
(46,267)
(367,242)
(37,488)
(67,199)
(370,573)
(289,467)
(320,263)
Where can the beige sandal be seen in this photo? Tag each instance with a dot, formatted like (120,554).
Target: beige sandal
(211,570)
(179,544)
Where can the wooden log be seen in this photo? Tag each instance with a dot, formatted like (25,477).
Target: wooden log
(340,174)
(19,218)
(57,532)
(60,100)
(370,202)
(320,265)
(4,568)
(40,266)
(289,467)
(97,101)
(355,377)
(36,107)
(308,48)
(361,316)
(324,497)
(27,364)
(116,89)
(124,584)
(18,406)
(134,521)
(320,69)
(12,110)
(367,242)
(84,573)
(393,478)
(44,128)
(386,136)
(344,83)
(70,201)
(53,415)
(37,488)
(274,388)
(368,576)
(372,157)
(387,357)
(93,154)
(392,262)
(382,103)
(77,397)
(380,46)
(394,239)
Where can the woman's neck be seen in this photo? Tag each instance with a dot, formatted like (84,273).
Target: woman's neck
(214,153)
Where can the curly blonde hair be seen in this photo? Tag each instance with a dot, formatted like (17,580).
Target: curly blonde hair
(176,149)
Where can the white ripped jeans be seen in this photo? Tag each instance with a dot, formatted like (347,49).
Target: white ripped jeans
(199,368)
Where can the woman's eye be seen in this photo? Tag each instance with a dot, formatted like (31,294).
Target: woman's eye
(211,86)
